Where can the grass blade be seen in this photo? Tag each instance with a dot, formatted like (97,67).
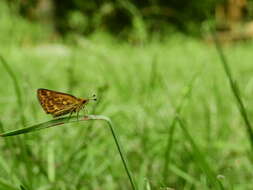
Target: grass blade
(235,89)
(16,87)
(66,120)
(51,163)
(6,185)
(200,157)
(178,110)
(21,142)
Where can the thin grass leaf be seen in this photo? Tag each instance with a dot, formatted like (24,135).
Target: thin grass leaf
(6,185)
(168,148)
(234,89)
(72,82)
(16,87)
(22,187)
(51,163)
(153,79)
(200,157)
(1,127)
(73,119)
(183,175)
(21,142)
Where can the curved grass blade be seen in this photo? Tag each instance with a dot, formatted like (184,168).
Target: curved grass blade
(73,119)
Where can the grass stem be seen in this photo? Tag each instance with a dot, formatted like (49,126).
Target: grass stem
(66,120)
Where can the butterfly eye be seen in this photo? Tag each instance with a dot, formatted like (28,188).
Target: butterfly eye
(84,101)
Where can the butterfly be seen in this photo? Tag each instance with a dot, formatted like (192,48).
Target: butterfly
(59,104)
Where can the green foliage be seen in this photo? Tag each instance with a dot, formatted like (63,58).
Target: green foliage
(141,87)
(122,18)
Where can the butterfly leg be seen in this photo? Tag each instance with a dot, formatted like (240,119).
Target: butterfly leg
(77,114)
(70,115)
(71,112)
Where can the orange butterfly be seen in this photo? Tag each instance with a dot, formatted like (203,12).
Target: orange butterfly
(58,103)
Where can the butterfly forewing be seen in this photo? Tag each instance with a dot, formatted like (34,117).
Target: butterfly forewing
(58,103)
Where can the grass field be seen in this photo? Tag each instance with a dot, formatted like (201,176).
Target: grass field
(170,102)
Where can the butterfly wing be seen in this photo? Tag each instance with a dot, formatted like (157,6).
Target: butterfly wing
(57,103)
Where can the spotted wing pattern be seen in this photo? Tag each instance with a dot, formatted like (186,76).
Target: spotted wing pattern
(58,103)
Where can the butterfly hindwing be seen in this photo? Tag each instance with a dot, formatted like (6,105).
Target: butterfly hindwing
(57,103)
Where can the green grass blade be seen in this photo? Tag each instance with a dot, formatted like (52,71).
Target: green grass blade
(66,120)
(235,89)
(16,87)
(168,148)
(116,139)
(21,142)
(51,163)
(22,187)
(5,185)
(187,177)
(200,157)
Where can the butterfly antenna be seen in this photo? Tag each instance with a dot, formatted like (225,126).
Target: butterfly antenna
(93,97)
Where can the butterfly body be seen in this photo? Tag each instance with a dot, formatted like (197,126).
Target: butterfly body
(58,103)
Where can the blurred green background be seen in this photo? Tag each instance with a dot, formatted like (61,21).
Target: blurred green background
(148,62)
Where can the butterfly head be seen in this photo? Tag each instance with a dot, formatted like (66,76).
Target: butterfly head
(86,101)
(93,97)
